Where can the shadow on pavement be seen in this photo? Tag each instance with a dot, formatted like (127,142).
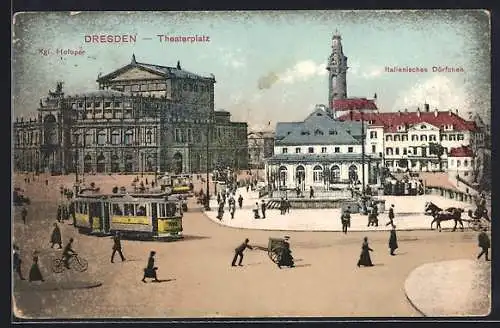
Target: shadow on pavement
(161,280)
(52,285)
(302,265)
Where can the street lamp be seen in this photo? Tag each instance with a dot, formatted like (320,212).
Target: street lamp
(363,153)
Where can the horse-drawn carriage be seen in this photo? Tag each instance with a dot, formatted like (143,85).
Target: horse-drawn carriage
(278,250)
(478,219)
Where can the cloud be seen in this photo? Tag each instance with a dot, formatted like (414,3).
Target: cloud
(301,71)
(232,57)
(439,92)
(373,72)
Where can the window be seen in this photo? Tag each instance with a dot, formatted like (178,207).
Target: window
(318,133)
(350,149)
(397,150)
(117,104)
(149,137)
(432,138)
(195,88)
(404,151)
(332,132)
(423,127)
(161,210)
(284,150)
(129,209)
(466,174)
(459,163)
(373,134)
(452,162)
(107,104)
(177,136)
(117,209)
(388,137)
(135,88)
(466,162)
(337,150)
(452,137)
(335,173)
(374,149)
(388,151)
(323,150)
(88,105)
(141,210)
(397,137)
(97,104)
(310,150)
(444,137)
(297,150)
(89,138)
(101,138)
(404,137)
(129,137)
(423,137)
(144,87)
(190,135)
(80,105)
(115,137)
(305,133)
(460,137)
(317,174)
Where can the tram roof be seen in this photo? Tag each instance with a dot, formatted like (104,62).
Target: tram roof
(131,196)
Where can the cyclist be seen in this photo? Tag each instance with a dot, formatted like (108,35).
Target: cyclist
(68,252)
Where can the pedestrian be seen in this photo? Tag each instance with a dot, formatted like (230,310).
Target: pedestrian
(55,238)
(346,219)
(59,213)
(311,192)
(364,258)
(282,206)
(220,212)
(232,209)
(24,214)
(240,201)
(218,198)
(484,243)
(286,258)
(287,205)
(46,182)
(147,183)
(247,187)
(391,216)
(373,216)
(256,211)
(150,270)
(16,259)
(35,273)
(238,252)
(117,247)
(393,240)
(263,208)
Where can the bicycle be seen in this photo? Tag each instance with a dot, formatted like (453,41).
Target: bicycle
(74,262)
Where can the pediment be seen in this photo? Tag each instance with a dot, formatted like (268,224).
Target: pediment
(136,73)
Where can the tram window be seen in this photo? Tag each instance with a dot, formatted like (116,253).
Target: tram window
(129,209)
(117,209)
(161,211)
(171,209)
(141,210)
(85,208)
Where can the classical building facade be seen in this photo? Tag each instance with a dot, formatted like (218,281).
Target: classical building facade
(143,118)
(321,152)
(260,148)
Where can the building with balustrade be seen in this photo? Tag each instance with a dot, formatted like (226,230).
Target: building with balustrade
(260,148)
(143,118)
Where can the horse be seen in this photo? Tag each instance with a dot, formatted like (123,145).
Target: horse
(439,215)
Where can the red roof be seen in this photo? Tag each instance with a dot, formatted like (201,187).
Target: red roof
(353,103)
(391,120)
(463,151)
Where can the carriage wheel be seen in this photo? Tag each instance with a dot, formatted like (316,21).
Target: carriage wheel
(57,265)
(275,255)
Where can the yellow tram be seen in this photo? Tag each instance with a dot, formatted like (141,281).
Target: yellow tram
(152,215)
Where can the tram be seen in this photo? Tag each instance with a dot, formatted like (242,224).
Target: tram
(149,215)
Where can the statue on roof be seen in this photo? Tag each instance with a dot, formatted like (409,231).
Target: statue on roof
(179,64)
(133,59)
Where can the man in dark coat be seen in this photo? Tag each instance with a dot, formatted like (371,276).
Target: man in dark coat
(263,209)
(238,251)
(68,252)
(311,192)
(150,270)
(117,247)
(16,259)
(391,216)
(24,214)
(346,219)
(240,201)
(484,243)
(55,238)
(232,210)
(393,240)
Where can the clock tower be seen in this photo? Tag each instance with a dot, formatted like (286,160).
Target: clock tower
(337,68)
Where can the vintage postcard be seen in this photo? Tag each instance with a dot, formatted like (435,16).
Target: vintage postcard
(251,164)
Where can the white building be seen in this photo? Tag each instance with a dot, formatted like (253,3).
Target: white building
(461,163)
(320,152)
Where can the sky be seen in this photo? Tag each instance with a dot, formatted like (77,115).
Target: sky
(269,66)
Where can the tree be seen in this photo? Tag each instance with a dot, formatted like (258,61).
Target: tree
(438,150)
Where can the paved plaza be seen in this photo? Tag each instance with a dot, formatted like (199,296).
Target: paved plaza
(409,215)
(198,281)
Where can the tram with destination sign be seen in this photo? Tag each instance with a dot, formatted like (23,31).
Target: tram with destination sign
(149,215)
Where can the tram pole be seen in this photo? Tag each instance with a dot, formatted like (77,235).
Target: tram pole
(207,202)
(363,153)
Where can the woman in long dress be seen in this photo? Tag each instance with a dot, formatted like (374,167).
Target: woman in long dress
(35,273)
(393,240)
(364,258)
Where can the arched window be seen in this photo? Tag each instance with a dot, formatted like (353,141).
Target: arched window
(388,151)
(414,137)
(115,137)
(318,132)
(283,175)
(149,137)
(129,137)
(101,163)
(458,163)
(334,174)
(466,162)
(317,174)
(388,137)
(423,137)
(129,163)
(115,163)
(397,137)
(89,138)
(300,174)
(404,137)
(87,164)
(101,137)
(353,173)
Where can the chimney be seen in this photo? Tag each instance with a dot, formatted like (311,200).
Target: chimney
(399,113)
(426,106)
(435,112)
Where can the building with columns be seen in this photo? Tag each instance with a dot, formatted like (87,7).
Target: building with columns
(260,148)
(321,152)
(143,118)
